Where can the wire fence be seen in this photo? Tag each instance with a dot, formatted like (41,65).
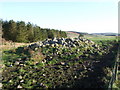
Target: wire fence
(114,72)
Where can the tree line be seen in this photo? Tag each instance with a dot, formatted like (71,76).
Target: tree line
(26,32)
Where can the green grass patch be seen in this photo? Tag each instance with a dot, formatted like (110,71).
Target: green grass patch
(100,38)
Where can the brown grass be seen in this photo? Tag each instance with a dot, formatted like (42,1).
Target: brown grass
(38,56)
(7,45)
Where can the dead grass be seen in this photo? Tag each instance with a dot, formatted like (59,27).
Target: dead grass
(7,45)
(38,56)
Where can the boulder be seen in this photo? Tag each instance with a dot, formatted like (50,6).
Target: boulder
(59,41)
(17,63)
(19,86)
(22,80)
(33,46)
(43,61)
(20,77)
(40,43)
(19,59)
(63,63)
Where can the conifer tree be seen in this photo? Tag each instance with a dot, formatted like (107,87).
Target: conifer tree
(21,32)
(12,29)
(30,32)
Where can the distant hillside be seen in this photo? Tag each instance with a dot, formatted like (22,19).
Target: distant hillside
(105,34)
(78,32)
(74,34)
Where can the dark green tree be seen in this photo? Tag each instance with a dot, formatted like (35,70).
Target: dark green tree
(30,32)
(50,33)
(21,32)
(37,33)
(44,34)
(12,29)
(5,30)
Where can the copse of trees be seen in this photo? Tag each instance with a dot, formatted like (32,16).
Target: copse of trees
(26,32)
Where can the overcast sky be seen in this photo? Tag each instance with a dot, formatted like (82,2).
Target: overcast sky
(92,16)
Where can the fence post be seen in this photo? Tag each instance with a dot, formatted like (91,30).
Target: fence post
(114,72)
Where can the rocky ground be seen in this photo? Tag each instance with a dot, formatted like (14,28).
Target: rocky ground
(58,63)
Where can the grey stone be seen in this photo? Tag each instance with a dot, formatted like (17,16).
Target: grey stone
(17,63)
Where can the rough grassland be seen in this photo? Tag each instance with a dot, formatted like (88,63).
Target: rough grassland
(100,37)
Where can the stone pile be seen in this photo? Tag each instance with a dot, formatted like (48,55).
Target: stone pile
(64,42)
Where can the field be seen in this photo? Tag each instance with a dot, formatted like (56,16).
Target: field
(7,45)
(60,63)
(100,37)
(72,35)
